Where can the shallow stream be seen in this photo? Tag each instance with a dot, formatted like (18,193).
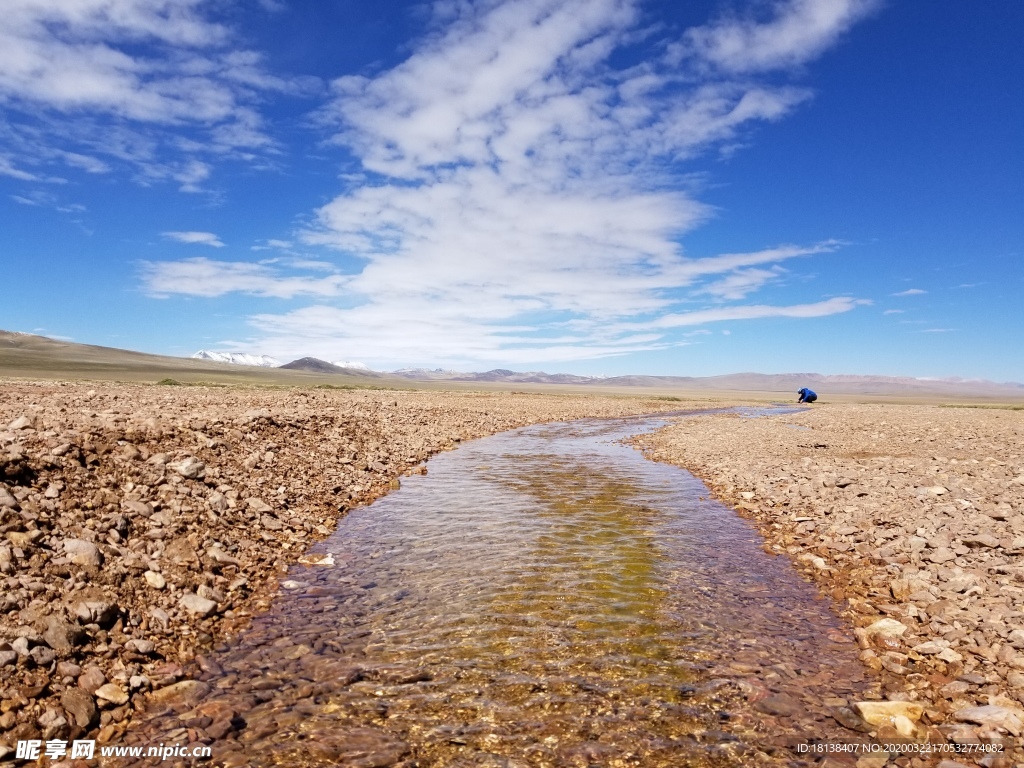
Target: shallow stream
(543,597)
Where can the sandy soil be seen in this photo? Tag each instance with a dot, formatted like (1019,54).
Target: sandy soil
(141,524)
(912,518)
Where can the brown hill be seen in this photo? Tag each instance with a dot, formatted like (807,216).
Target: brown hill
(25,355)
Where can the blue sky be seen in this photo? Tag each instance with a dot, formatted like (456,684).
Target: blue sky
(591,186)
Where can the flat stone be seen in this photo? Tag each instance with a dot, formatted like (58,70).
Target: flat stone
(885,712)
(22,422)
(137,508)
(981,540)
(195,604)
(187,692)
(154,579)
(139,645)
(887,628)
(931,647)
(941,555)
(258,505)
(271,523)
(317,558)
(1010,718)
(780,705)
(24,539)
(221,557)
(112,693)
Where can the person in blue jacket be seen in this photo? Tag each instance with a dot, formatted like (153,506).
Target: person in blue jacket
(807,396)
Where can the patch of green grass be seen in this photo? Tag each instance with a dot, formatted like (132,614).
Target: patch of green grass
(168,383)
(669,398)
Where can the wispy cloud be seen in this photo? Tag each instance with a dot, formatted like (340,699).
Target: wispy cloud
(195,238)
(937,330)
(894,312)
(168,74)
(204,277)
(797,32)
(521,195)
(910,292)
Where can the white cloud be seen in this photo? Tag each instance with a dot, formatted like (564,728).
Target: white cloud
(910,292)
(833,306)
(163,70)
(798,31)
(7,168)
(204,277)
(894,312)
(520,196)
(741,282)
(195,238)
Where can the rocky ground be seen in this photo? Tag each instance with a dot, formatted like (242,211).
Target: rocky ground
(139,524)
(912,518)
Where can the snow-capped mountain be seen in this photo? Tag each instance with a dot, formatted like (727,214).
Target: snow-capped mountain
(238,358)
(350,364)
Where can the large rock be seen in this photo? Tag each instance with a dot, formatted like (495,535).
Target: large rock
(941,555)
(62,636)
(886,628)
(137,508)
(82,552)
(28,421)
(190,468)
(92,679)
(100,611)
(80,705)
(7,499)
(195,604)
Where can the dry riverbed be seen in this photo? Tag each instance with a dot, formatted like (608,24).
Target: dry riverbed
(139,525)
(912,519)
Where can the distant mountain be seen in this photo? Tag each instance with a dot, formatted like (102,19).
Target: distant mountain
(316,365)
(741,382)
(498,374)
(351,364)
(237,358)
(312,364)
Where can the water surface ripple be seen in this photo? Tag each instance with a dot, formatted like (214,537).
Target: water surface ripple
(543,597)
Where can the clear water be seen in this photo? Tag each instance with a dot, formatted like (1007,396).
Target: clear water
(543,597)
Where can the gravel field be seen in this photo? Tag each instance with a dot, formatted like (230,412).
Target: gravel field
(912,519)
(140,524)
